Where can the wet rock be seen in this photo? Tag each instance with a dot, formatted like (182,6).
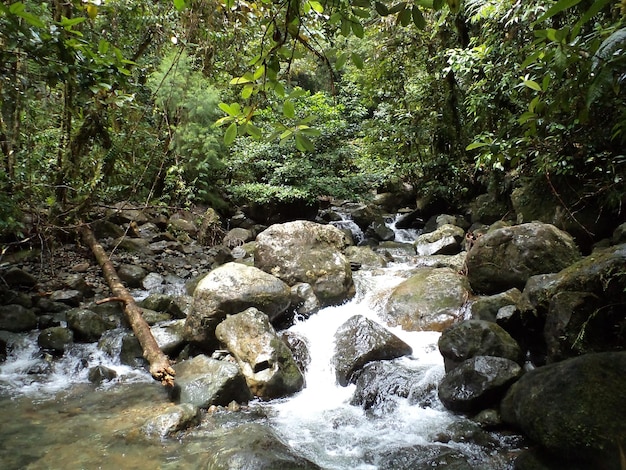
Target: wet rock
(304,251)
(431,299)
(16,277)
(478,383)
(299,348)
(107,229)
(48,306)
(12,297)
(3,349)
(152,282)
(230,289)
(78,282)
(472,338)
(88,326)
(178,306)
(131,352)
(445,240)
(619,235)
(132,245)
(303,299)
(55,339)
(265,360)
(17,319)
(454,262)
(124,213)
(177,224)
(152,318)
(148,230)
(574,409)
(70,297)
(237,236)
(380,383)
(250,447)
(359,341)
(365,257)
(505,258)
(486,307)
(202,382)
(131,274)
(378,230)
(363,214)
(169,422)
(170,336)
(422,457)
(487,209)
(99,374)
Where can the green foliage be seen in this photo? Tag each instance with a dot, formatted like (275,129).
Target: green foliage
(190,107)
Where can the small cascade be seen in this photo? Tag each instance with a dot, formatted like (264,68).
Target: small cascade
(346,223)
(402,235)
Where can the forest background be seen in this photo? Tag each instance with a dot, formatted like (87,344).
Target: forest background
(228,102)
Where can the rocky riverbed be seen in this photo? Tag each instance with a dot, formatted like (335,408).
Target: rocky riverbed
(512,301)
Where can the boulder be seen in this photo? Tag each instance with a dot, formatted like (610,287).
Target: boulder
(16,277)
(17,319)
(237,236)
(488,208)
(99,374)
(478,383)
(175,418)
(423,456)
(202,382)
(505,258)
(365,256)
(251,447)
(378,230)
(304,251)
(380,383)
(131,274)
(431,299)
(266,361)
(579,309)
(177,306)
(359,341)
(170,336)
(472,338)
(69,297)
(230,289)
(445,240)
(487,307)
(303,299)
(574,409)
(55,339)
(88,326)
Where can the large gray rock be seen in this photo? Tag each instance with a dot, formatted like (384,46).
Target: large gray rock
(16,277)
(230,289)
(202,382)
(304,251)
(422,457)
(251,447)
(487,307)
(170,336)
(472,338)
(266,361)
(55,339)
(579,309)
(175,418)
(17,319)
(445,240)
(359,341)
(575,409)
(478,383)
(505,258)
(131,274)
(431,299)
(88,326)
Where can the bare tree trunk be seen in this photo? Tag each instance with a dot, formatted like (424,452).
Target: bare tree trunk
(160,367)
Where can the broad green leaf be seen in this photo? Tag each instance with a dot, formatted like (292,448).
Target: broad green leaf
(341,60)
(221,121)
(103,46)
(247,90)
(335,18)
(527,116)
(233,110)
(418,18)
(381,9)
(357,60)
(454,5)
(397,7)
(69,22)
(533,85)
(438,4)
(476,145)
(253,131)
(361,3)
(180,5)
(289,110)
(279,89)
(296,93)
(231,134)
(306,130)
(593,11)
(357,29)
(557,8)
(31,19)
(346,27)
(317,6)
(16,8)
(404,17)
(303,143)
(258,73)
(361,13)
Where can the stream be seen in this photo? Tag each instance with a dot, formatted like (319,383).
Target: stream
(54,418)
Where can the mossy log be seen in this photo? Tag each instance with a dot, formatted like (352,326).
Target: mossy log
(160,366)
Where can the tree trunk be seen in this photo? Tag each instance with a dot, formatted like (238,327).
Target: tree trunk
(160,367)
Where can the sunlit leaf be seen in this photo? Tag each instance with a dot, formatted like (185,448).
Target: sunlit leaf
(180,5)
(317,6)
(231,134)
(253,131)
(476,145)
(289,110)
(557,8)
(303,143)
(533,85)
(341,60)
(246,91)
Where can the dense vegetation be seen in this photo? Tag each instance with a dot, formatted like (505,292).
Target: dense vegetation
(206,101)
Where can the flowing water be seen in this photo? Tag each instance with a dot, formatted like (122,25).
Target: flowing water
(53,418)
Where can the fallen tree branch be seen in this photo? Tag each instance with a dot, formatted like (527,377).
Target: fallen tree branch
(160,367)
